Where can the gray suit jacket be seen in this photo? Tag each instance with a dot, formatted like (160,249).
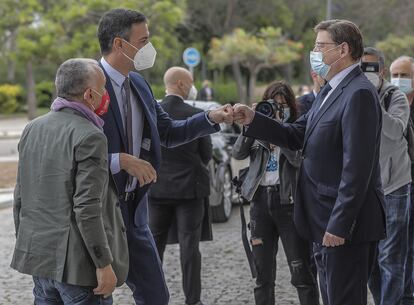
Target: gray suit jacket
(67,219)
(394,159)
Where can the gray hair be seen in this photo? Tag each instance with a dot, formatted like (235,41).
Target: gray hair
(377,53)
(74,76)
(407,58)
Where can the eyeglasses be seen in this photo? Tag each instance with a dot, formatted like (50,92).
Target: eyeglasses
(319,45)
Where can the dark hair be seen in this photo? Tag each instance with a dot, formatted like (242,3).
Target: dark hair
(344,31)
(378,53)
(117,23)
(282,88)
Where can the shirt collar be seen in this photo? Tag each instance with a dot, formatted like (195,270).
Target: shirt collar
(113,74)
(337,79)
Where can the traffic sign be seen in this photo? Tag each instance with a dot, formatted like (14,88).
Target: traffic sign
(191,57)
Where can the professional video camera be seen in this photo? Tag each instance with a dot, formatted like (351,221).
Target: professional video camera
(270,108)
(370,67)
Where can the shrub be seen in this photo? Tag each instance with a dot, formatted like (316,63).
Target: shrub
(225,92)
(10,95)
(44,93)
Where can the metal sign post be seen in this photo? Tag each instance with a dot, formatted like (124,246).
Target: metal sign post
(191,58)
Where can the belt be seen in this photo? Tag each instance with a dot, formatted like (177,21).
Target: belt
(275,188)
(129,196)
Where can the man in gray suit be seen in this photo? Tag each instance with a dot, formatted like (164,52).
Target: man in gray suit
(69,227)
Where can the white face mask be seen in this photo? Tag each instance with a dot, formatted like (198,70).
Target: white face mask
(404,84)
(373,78)
(317,63)
(144,58)
(286,114)
(192,94)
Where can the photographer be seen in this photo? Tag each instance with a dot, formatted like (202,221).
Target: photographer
(270,185)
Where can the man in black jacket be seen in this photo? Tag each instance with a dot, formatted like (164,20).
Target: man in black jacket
(178,198)
(305,101)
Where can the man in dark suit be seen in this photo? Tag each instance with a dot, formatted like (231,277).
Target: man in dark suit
(184,167)
(305,101)
(206,93)
(340,203)
(136,127)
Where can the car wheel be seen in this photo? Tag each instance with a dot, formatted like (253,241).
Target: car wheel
(221,210)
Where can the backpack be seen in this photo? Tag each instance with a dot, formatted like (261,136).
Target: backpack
(409,132)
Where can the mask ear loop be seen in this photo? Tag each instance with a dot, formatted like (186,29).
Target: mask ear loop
(131,46)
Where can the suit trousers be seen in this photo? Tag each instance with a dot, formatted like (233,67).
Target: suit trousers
(145,276)
(344,272)
(189,214)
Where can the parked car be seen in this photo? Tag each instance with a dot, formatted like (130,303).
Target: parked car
(222,166)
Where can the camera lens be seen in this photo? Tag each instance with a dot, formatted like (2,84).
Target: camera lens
(265,108)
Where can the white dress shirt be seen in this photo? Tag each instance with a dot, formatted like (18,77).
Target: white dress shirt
(117,80)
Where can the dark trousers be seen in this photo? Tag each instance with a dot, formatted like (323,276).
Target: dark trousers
(188,214)
(344,272)
(145,276)
(269,221)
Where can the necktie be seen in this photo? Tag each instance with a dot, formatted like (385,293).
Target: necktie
(320,98)
(128,119)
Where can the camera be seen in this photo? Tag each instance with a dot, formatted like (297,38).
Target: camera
(269,108)
(370,67)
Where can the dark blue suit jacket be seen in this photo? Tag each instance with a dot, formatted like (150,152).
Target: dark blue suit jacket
(158,127)
(339,188)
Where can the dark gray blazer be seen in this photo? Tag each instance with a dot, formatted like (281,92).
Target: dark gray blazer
(66,218)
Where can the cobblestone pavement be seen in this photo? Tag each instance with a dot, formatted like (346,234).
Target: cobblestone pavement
(225,275)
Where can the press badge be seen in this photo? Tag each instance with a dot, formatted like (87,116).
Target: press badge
(146,144)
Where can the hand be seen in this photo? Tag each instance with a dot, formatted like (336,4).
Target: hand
(243,114)
(330,240)
(106,281)
(138,168)
(222,114)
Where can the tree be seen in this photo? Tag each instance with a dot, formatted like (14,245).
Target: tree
(267,49)
(47,32)
(394,46)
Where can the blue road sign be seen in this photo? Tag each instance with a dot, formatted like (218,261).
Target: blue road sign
(191,57)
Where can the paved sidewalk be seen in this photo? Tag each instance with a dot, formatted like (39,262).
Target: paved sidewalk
(12,128)
(6,198)
(225,275)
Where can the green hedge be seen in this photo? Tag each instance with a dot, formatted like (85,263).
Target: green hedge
(10,98)
(225,93)
(44,93)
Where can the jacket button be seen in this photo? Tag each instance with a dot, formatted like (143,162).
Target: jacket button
(123,229)
(118,204)
(303,157)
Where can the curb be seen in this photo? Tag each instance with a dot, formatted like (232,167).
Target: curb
(6,196)
(10,134)
(6,204)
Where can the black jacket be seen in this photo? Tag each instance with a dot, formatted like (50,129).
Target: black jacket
(202,95)
(305,102)
(183,173)
(259,151)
